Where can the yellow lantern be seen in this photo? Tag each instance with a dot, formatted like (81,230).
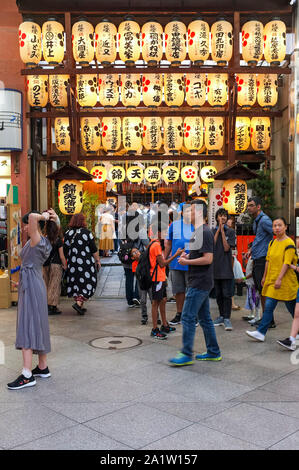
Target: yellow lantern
(170,174)
(130,90)
(135,174)
(189,174)
(267,93)
(91,134)
(53,41)
(260,133)
(83,45)
(99,173)
(105,42)
(37,90)
(30,43)
(58,90)
(252,41)
(217,89)
(111,133)
(62,134)
(116,174)
(152,133)
(214,133)
(234,193)
(175,42)
(132,134)
(198,41)
(108,90)
(195,89)
(173,134)
(70,197)
(222,42)
(84,169)
(152,174)
(174,92)
(207,174)
(193,133)
(129,41)
(152,42)
(87,90)
(246,90)
(242,133)
(275,41)
(152,89)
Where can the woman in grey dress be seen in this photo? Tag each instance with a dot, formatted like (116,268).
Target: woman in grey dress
(33,334)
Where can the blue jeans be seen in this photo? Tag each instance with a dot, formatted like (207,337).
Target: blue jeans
(197,308)
(131,289)
(270,306)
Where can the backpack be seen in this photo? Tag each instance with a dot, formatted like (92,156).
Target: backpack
(124,253)
(143,270)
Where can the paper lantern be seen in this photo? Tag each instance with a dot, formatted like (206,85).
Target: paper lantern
(62,134)
(108,90)
(129,41)
(234,194)
(152,133)
(83,45)
(99,173)
(37,90)
(105,42)
(195,89)
(246,90)
(30,43)
(170,174)
(175,42)
(135,174)
(198,41)
(70,197)
(152,174)
(214,133)
(222,42)
(53,41)
(152,42)
(132,134)
(58,90)
(189,174)
(117,174)
(275,42)
(130,90)
(111,133)
(152,89)
(260,133)
(84,169)
(242,133)
(252,41)
(174,92)
(91,134)
(267,92)
(87,90)
(207,174)
(217,89)
(193,133)
(173,134)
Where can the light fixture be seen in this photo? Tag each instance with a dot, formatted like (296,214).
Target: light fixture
(222,42)
(152,133)
(198,41)
(175,42)
(267,92)
(217,89)
(195,89)
(58,90)
(132,134)
(91,134)
(130,90)
(234,194)
(105,42)
(37,90)
(83,42)
(87,90)
(152,42)
(30,43)
(260,133)
(242,133)
(173,134)
(252,41)
(62,134)
(193,133)
(53,41)
(214,133)
(111,134)
(152,89)
(108,90)
(174,89)
(129,41)
(246,86)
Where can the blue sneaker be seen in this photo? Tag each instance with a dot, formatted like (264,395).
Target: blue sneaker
(181,360)
(207,357)
(219,321)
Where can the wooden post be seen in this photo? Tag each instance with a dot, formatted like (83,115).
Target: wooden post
(71,97)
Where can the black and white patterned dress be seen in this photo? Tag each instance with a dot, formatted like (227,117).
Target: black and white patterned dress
(81,276)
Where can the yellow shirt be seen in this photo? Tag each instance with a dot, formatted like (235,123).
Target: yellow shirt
(280,253)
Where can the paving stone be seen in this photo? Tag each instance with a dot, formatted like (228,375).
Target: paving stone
(289,443)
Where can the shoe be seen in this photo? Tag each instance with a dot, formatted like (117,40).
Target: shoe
(228,325)
(167,329)
(287,343)
(181,360)
(219,321)
(53,310)
(22,382)
(254,321)
(144,321)
(158,334)
(272,324)
(248,318)
(171,300)
(176,320)
(207,357)
(236,307)
(78,309)
(136,302)
(44,374)
(131,306)
(256,335)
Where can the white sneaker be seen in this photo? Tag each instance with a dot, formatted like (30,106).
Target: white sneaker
(297,337)
(256,335)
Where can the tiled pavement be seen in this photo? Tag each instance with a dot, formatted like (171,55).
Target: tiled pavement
(131,399)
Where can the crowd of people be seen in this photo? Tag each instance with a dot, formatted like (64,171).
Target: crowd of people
(167,254)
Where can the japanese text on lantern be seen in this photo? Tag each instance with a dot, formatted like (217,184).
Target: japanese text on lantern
(175,41)
(129,37)
(69,196)
(219,41)
(35,42)
(240,197)
(154,41)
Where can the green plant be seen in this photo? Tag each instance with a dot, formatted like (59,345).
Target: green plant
(263,187)
(90,202)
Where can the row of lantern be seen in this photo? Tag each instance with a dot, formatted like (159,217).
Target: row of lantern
(134,133)
(177,87)
(101,42)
